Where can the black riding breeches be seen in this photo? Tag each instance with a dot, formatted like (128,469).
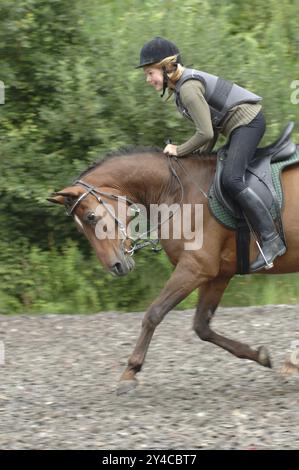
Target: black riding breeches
(242,146)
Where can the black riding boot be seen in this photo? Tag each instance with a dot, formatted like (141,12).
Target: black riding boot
(262,222)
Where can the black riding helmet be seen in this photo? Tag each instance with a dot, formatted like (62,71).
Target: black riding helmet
(156,50)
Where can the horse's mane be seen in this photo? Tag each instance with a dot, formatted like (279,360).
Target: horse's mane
(121,152)
(134,150)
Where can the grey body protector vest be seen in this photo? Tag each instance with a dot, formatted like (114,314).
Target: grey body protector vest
(221,95)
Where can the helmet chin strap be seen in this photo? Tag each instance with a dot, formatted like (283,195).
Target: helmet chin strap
(165,81)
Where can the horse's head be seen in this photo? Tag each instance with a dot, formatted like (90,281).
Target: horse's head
(103,217)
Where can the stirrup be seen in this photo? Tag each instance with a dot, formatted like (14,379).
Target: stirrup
(267,265)
(261,260)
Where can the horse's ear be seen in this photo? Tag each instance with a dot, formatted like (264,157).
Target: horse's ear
(59,197)
(56,199)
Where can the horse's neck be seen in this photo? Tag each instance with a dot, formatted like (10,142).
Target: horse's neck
(141,178)
(148,180)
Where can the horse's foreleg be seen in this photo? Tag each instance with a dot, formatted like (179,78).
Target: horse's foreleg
(181,283)
(211,294)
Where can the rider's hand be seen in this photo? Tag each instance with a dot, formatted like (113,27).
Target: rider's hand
(170,149)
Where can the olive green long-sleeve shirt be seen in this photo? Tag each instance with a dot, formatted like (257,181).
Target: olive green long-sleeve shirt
(192,97)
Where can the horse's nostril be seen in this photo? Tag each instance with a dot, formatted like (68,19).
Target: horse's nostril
(121,269)
(117,268)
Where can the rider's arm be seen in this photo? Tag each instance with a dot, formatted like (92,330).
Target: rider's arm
(192,98)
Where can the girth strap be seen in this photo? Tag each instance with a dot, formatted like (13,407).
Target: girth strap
(242,245)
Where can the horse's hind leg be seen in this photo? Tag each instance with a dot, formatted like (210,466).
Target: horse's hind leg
(210,296)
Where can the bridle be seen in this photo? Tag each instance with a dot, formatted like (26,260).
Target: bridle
(93,191)
(136,244)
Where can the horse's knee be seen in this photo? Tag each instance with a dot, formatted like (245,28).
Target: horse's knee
(153,317)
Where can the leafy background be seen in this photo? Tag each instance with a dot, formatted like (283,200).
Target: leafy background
(72,94)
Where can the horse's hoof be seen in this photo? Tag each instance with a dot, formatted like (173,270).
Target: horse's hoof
(264,357)
(126,386)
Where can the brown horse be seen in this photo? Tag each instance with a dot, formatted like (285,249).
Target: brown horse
(144,176)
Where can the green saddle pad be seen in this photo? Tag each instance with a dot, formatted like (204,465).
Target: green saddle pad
(223,215)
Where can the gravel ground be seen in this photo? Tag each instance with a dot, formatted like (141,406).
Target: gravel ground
(58,383)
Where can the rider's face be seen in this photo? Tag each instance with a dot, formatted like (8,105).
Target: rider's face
(154,77)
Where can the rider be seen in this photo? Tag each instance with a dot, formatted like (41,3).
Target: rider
(216,106)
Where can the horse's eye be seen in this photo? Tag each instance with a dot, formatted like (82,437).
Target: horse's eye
(90,218)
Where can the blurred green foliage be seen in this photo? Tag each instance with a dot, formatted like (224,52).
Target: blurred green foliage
(72,94)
